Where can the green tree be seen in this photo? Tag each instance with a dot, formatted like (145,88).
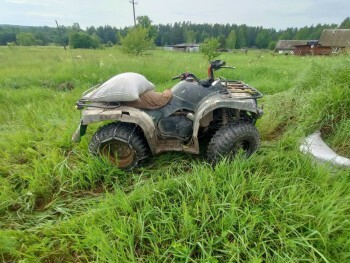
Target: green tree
(95,40)
(75,27)
(263,39)
(146,22)
(241,39)
(164,35)
(209,48)
(26,39)
(272,45)
(137,41)
(83,40)
(90,30)
(345,24)
(231,40)
(222,41)
(41,39)
(204,36)
(177,34)
(7,37)
(105,34)
(285,36)
(303,33)
(190,36)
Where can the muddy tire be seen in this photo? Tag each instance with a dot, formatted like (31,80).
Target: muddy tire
(123,144)
(231,139)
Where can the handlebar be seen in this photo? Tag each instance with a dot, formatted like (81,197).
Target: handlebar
(185,76)
(176,77)
(214,65)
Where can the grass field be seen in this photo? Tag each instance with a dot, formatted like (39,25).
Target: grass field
(58,204)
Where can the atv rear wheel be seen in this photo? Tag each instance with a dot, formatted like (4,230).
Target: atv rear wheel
(229,140)
(123,144)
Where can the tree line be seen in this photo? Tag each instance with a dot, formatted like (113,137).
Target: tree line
(229,36)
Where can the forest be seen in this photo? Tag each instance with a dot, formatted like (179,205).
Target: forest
(230,36)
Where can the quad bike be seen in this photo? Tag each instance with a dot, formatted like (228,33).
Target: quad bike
(216,114)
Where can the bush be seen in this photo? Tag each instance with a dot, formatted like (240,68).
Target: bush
(26,39)
(209,48)
(83,40)
(137,41)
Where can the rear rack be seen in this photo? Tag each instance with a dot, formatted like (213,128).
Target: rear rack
(85,103)
(82,103)
(236,86)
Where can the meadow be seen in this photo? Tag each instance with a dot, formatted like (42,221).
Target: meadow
(59,204)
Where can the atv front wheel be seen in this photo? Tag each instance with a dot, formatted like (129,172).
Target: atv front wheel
(123,144)
(229,140)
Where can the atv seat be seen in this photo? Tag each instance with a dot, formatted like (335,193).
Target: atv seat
(151,100)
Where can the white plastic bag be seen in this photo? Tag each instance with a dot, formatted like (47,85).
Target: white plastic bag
(122,87)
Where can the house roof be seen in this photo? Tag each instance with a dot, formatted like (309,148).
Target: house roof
(335,38)
(309,43)
(290,44)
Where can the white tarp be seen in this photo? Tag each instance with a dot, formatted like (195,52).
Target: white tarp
(122,87)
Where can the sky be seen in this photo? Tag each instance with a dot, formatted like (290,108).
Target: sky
(278,14)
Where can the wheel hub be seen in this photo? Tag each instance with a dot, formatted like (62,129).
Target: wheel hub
(119,153)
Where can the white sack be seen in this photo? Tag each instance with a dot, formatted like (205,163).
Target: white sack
(314,145)
(122,87)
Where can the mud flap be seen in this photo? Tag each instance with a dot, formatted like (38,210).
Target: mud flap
(81,130)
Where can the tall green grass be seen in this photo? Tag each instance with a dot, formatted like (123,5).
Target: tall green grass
(59,204)
(319,101)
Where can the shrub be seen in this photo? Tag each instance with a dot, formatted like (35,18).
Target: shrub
(137,41)
(209,48)
(26,39)
(83,40)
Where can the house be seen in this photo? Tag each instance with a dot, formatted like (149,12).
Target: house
(288,46)
(336,39)
(312,48)
(186,47)
(168,48)
(302,47)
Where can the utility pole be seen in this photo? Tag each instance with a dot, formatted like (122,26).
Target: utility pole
(59,31)
(133,7)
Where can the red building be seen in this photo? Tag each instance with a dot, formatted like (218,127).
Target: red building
(312,49)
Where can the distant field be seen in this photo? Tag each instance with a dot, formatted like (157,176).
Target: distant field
(58,204)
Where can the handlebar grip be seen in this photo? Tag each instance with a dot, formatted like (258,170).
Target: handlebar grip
(228,67)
